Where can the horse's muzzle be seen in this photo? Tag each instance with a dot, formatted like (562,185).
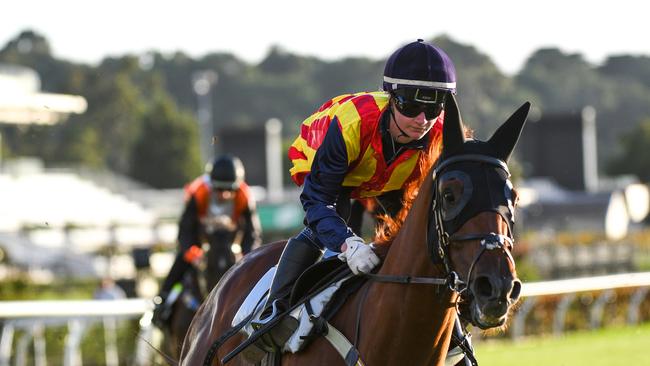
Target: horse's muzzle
(492,298)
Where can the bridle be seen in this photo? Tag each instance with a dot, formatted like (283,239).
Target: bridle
(439,240)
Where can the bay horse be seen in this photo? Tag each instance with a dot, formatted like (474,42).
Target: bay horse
(460,223)
(197,284)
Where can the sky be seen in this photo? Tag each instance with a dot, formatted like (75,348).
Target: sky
(508,31)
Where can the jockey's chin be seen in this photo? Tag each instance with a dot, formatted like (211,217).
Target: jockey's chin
(416,133)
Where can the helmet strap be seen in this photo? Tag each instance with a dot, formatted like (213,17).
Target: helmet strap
(392,114)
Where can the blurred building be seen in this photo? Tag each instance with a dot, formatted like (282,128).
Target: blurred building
(563,191)
(58,220)
(54,221)
(562,147)
(22,102)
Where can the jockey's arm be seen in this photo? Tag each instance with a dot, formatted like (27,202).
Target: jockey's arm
(189,226)
(322,188)
(251,228)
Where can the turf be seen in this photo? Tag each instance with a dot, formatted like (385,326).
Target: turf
(614,346)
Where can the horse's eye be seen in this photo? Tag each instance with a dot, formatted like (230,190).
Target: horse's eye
(448,196)
(455,189)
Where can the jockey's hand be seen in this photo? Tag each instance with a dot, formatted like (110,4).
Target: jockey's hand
(359,256)
(194,256)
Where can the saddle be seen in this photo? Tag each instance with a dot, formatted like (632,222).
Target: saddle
(314,300)
(314,277)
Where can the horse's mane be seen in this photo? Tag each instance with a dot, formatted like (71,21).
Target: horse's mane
(389,226)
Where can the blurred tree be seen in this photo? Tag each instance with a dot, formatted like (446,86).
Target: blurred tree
(566,83)
(562,82)
(279,61)
(348,75)
(634,158)
(633,68)
(486,96)
(115,108)
(33,50)
(121,93)
(167,153)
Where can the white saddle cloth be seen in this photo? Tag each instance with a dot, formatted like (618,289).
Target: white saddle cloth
(255,300)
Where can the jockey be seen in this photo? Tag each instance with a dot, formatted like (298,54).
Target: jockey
(220,202)
(362,146)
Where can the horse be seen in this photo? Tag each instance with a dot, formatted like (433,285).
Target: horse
(196,287)
(458,232)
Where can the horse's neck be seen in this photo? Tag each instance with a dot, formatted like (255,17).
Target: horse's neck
(408,251)
(423,328)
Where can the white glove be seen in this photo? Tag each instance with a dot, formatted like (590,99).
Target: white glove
(359,256)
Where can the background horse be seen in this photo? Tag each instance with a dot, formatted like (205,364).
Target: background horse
(457,223)
(196,286)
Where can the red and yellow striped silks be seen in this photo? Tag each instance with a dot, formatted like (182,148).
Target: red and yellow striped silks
(357,116)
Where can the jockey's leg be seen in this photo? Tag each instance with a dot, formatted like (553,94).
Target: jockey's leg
(176,273)
(299,253)
(297,256)
(162,310)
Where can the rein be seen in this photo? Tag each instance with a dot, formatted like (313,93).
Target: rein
(452,281)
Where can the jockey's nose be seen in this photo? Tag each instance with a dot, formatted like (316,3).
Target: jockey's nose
(421,118)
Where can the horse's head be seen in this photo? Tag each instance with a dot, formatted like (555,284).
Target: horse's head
(473,212)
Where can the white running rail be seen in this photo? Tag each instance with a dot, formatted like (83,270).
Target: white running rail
(34,316)
(568,289)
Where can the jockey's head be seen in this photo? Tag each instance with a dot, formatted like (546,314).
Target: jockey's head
(419,77)
(420,65)
(226,173)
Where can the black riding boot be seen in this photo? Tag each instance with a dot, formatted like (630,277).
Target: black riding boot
(296,258)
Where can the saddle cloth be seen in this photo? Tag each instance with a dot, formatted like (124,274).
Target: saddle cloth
(256,299)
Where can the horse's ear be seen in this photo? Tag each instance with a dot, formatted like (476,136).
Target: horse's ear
(505,138)
(452,129)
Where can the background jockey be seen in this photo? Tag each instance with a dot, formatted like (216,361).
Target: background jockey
(363,145)
(218,201)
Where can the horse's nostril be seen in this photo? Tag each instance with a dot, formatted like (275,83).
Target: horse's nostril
(482,287)
(516,290)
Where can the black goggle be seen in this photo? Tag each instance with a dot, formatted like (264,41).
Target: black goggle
(410,108)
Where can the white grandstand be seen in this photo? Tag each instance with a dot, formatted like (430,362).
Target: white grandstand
(51,221)
(57,200)
(55,220)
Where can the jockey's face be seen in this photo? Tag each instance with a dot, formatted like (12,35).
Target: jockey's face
(413,127)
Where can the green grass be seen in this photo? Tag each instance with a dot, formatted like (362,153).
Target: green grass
(609,347)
